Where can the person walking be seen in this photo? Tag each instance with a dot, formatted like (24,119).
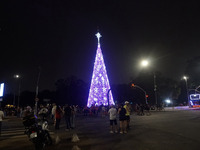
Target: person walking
(1,119)
(113,119)
(122,119)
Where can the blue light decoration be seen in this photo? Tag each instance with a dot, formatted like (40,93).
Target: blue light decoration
(195,100)
(99,92)
(194,96)
(1,89)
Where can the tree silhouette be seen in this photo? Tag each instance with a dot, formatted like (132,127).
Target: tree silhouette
(71,91)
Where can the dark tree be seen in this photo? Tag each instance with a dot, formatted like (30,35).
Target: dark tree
(72,91)
(192,71)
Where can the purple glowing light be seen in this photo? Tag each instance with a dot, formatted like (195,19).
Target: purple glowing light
(100,84)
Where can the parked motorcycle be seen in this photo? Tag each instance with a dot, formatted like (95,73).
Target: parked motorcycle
(37,131)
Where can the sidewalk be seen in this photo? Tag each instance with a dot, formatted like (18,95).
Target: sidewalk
(181,108)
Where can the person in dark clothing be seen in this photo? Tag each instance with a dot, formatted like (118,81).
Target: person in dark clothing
(141,110)
(147,109)
(85,111)
(122,119)
(67,114)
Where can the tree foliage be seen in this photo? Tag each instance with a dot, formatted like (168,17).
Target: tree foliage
(193,71)
(71,91)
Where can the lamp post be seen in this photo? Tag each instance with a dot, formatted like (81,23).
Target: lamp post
(186,85)
(17,76)
(108,98)
(36,92)
(145,63)
(155,87)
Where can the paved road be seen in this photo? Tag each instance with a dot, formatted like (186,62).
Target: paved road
(168,130)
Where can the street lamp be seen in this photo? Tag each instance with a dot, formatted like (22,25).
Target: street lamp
(36,93)
(17,76)
(145,63)
(186,85)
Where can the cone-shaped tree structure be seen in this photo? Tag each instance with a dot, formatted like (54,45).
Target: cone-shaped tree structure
(100,92)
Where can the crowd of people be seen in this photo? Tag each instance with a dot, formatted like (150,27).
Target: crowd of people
(54,113)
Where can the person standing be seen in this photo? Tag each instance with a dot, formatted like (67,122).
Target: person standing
(43,112)
(113,119)
(28,111)
(67,114)
(103,111)
(122,119)
(148,109)
(127,106)
(1,119)
(18,112)
(141,110)
(58,117)
(53,111)
(85,111)
(73,115)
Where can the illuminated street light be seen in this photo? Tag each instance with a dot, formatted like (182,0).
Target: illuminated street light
(168,101)
(185,77)
(186,85)
(16,76)
(145,63)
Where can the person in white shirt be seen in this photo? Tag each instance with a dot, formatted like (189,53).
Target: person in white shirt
(113,119)
(53,112)
(43,112)
(1,119)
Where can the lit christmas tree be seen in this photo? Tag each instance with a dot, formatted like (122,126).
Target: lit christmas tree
(100,91)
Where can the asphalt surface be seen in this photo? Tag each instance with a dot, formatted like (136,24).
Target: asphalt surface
(164,130)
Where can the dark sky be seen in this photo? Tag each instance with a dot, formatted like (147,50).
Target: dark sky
(59,36)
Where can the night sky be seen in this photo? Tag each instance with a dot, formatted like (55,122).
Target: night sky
(59,36)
